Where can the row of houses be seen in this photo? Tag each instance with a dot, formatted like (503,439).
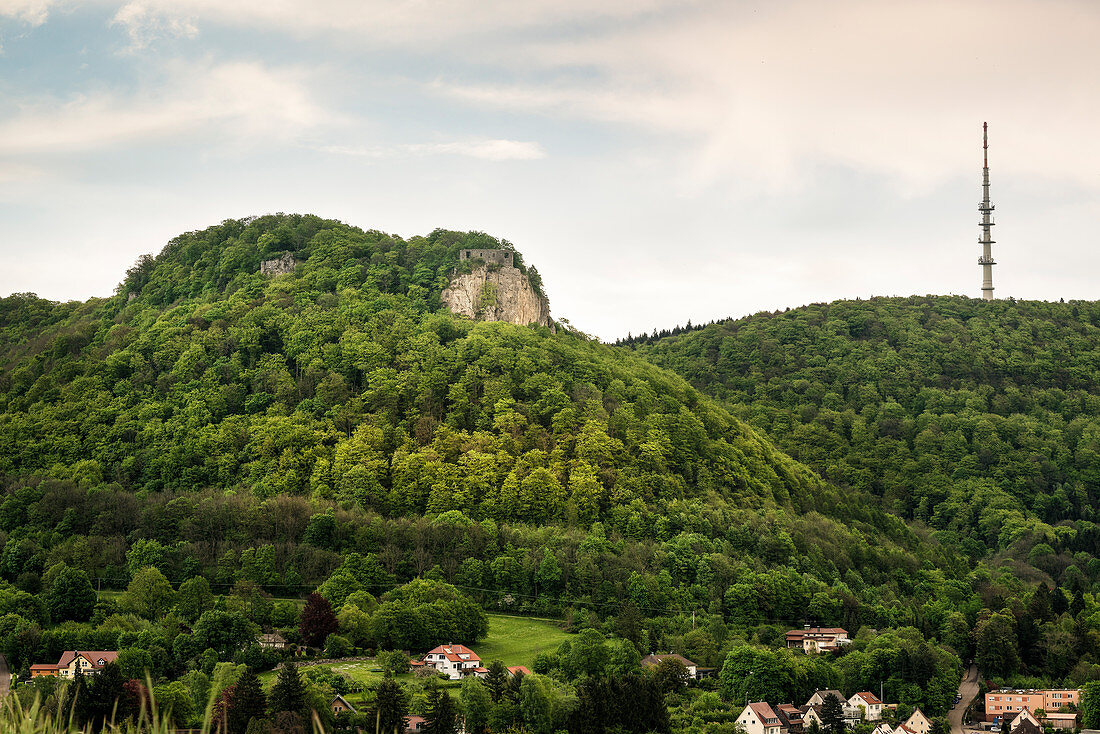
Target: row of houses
(764,718)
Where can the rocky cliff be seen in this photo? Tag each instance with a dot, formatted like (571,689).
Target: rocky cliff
(494,293)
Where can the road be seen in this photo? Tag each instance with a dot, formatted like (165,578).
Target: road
(968,689)
(5,677)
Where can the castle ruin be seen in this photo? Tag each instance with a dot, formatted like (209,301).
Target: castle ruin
(491,257)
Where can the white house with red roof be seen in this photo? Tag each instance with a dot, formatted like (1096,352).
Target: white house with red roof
(868,703)
(760,718)
(88,662)
(454,661)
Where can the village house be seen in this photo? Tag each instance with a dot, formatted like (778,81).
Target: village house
(918,723)
(455,661)
(866,705)
(414,723)
(339,705)
(514,670)
(88,662)
(1006,703)
(818,639)
(760,718)
(271,641)
(819,697)
(791,718)
(882,728)
(1024,719)
(650,661)
(811,713)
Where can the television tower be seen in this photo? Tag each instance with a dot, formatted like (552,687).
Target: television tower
(986,260)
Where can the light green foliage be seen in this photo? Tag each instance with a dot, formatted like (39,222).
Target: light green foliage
(535,705)
(475,703)
(135,663)
(148,595)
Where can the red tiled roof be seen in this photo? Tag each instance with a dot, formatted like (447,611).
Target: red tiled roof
(764,712)
(92,656)
(454,653)
(869,697)
(816,632)
(514,669)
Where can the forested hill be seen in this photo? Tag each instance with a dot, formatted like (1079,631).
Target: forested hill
(980,418)
(337,428)
(348,381)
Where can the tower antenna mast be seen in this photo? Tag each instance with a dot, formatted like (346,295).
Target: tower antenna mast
(986,259)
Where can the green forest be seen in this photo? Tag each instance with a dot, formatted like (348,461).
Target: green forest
(214,444)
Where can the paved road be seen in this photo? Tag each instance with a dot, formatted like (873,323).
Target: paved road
(968,689)
(5,677)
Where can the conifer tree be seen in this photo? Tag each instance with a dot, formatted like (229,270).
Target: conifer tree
(288,693)
(832,714)
(249,702)
(390,707)
(442,715)
(496,680)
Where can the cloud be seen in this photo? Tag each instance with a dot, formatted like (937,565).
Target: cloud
(34,12)
(895,89)
(384,21)
(144,24)
(490,150)
(242,101)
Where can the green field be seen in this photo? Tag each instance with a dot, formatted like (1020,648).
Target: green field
(512,640)
(517,640)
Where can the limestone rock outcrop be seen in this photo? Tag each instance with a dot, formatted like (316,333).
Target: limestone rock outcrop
(279,266)
(495,293)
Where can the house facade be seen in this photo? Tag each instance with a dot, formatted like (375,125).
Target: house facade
(88,662)
(454,661)
(818,639)
(339,705)
(866,705)
(819,697)
(1006,703)
(760,718)
(918,723)
(1021,718)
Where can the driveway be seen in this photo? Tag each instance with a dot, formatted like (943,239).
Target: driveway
(968,689)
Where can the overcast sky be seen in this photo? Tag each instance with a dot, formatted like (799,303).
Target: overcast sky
(658,161)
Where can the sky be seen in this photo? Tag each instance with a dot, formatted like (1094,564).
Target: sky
(659,161)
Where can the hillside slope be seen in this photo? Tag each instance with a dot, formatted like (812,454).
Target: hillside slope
(348,380)
(979,418)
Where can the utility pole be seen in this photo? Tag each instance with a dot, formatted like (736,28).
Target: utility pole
(986,208)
